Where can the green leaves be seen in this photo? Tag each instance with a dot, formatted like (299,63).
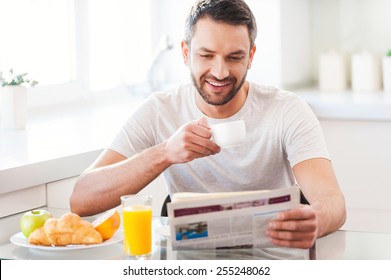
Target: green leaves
(10,79)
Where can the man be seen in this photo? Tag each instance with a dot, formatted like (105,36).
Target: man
(170,133)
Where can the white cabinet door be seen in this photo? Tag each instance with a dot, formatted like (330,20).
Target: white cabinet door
(22,200)
(361,156)
(59,193)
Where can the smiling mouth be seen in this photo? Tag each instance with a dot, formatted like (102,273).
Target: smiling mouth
(217,84)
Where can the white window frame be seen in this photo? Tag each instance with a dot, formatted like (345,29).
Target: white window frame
(78,88)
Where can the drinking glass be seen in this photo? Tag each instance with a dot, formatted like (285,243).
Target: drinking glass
(137,220)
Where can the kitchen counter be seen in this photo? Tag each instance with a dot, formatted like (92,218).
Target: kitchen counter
(60,142)
(349,105)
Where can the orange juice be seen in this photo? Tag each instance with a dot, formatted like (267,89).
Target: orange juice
(137,230)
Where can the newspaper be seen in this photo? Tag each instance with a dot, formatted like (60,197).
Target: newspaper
(226,220)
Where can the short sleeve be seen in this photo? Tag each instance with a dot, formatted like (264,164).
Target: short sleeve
(138,133)
(303,136)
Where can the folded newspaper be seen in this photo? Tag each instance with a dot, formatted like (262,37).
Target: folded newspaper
(226,220)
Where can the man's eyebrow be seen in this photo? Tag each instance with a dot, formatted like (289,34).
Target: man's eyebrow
(206,50)
(238,52)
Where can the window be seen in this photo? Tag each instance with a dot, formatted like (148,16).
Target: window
(119,42)
(37,37)
(74,47)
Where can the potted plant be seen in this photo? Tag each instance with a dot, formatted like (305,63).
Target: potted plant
(13,93)
(387,72)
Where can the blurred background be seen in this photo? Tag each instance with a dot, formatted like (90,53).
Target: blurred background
(74,48)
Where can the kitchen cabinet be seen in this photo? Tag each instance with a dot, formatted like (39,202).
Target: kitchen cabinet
(22,200)
(362,162)
(59,192)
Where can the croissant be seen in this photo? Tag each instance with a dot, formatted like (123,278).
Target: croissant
(69,229)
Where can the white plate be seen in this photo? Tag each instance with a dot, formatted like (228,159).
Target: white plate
(20,240)
(164,231)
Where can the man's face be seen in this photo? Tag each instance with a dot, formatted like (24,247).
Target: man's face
(218,57)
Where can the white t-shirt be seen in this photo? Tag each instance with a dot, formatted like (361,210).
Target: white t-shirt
(281,131)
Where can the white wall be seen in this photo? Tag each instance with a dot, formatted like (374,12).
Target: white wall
(295,43)
(266,67)
(169,18)
(349,26)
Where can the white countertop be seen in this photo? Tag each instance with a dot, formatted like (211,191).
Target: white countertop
(349,105)
(62,141)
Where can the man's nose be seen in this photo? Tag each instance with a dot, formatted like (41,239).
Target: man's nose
(220,69)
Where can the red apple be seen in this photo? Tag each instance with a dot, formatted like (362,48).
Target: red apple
(32,220)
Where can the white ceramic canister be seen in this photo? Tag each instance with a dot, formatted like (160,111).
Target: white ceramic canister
(366,72)
(332,71)
(13,107)
(387,73)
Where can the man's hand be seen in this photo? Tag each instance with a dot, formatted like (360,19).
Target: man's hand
(296,228)
(191,141)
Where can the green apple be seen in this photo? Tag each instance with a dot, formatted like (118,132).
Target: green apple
(32,220)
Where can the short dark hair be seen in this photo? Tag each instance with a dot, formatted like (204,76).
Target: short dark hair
(235,12)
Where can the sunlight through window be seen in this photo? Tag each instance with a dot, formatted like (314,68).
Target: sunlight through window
(119,42)
(37,37)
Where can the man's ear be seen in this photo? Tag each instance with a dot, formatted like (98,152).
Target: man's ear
(252,52)
(185,52)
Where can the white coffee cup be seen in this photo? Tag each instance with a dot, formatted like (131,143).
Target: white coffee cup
(229,134)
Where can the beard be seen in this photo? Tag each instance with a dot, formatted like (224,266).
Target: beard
(208,98)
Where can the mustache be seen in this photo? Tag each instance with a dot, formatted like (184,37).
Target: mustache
(228,79)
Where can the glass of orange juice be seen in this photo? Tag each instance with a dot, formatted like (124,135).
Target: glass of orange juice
(137,221)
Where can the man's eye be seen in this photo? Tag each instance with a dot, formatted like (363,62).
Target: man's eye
(236,57)
(206,55)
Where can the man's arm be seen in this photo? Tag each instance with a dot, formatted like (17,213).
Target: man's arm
(326,213)
(319,185)
(112,175)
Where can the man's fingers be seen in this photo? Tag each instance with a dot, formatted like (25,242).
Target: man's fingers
(304,212)
(293,225)
(191,141)
(196,138)
(302,244)
(200,128)
(201,131)
(205,146)
(286,238)
(289,235)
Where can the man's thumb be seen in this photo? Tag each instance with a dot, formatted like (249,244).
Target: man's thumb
(203,122)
